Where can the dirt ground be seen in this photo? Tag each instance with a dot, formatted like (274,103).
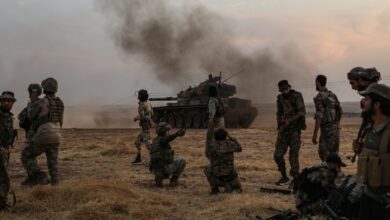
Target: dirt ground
(98,180)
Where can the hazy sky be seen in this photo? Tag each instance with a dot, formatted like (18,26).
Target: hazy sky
(71,41)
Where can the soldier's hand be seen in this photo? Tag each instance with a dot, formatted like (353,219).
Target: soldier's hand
(181,132)
(314,139)
(356,146)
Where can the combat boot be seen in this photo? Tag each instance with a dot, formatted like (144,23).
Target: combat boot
(42,179)
(214,191)
(137,159)
(4,206)
(29,181)
(159,180)
(54,181)
(174,181)
(228,188)
(283,181)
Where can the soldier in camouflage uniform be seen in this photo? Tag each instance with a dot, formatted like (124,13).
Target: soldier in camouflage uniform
(291,120)
(215,109)
(7,136)
(145,114)
(221,172)
(34,90)
(327,116)
(162,162)
(46,115)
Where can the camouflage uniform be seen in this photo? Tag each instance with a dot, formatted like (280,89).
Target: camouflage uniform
(162,162)
(288,107)
(6,136)
(221,172)
(329,111)
(46,116)
(213,108)
(145,113)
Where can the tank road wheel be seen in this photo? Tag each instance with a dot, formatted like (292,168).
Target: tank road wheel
(188,121)
(171,121)
(197,121)
(179,121)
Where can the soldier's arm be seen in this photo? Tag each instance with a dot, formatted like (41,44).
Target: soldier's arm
(279,112)
(235,144)
(164,141)
(301,111)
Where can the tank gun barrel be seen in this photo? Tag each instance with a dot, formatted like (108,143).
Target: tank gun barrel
(163,99)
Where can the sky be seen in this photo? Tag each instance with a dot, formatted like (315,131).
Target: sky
(72,41)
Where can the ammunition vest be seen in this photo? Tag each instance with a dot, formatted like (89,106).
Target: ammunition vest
(374,164)
(332,109)
(6,128)
(222,158)
(56,110)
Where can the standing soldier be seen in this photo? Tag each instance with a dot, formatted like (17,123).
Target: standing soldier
(374,159)
(145,114)
(220,149)
(162,162)
(327,116)
(216,109)
(291,120)
(359,79)
(7,135)
(46,116)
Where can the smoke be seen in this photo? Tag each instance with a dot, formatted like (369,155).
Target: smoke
(180,45)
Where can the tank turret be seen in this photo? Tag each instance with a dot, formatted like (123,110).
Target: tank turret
(190,108)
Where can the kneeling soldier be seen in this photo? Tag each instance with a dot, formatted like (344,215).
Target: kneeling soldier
(162,162)
(220,149)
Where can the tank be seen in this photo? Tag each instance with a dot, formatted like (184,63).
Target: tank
(189,108)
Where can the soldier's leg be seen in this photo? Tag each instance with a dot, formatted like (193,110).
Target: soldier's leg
(295,145)
(4,180)
(281,146)
(52,160)
(236,184)
(158,178)
(213,181)
(175,169)
(29,161)
(323,146)
(146,139)
(138,143)
(334,139)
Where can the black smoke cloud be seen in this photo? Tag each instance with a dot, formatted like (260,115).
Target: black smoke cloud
(179,45)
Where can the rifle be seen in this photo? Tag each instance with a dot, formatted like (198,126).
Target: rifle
(275,190)
(359,140)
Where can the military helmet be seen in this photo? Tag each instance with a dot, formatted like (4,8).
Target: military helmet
(378,89)
(143,95)
(8,95)
(369,74)
(50,85)
(163,127)
(35,88)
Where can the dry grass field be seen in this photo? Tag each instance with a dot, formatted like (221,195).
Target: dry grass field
(98,180)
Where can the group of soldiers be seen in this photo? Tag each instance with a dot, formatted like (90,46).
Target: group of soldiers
(364,196)
(41,119)
(220,147)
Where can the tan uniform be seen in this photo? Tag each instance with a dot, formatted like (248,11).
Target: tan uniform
(219,121)
(145,114)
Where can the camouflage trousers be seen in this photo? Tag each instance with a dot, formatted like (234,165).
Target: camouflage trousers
(329,140)
(143,137)
(288,138)
(29,159)
(227,181)
(4,178)
(173,170)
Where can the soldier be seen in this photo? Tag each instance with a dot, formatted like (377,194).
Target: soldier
(34,90)
(7,135)
(145,114)
(374,159)
(216,109)
(327,116)
(46,116)
(359,79)
(291,120)
(162,162)
(220,149)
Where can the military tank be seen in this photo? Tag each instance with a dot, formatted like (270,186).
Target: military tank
(189,108)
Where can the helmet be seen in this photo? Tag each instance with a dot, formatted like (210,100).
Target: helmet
(369,74)
(8,95)
(163,127)
(35,88)
(50,85)
(378,89)
(143,95)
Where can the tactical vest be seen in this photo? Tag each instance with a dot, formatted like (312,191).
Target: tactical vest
(374,165)
(56,110)
(332,108)
(222,158)
(6,128)
(289,108)
(160,156)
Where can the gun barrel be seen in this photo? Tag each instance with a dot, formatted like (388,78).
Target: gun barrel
(163,99)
